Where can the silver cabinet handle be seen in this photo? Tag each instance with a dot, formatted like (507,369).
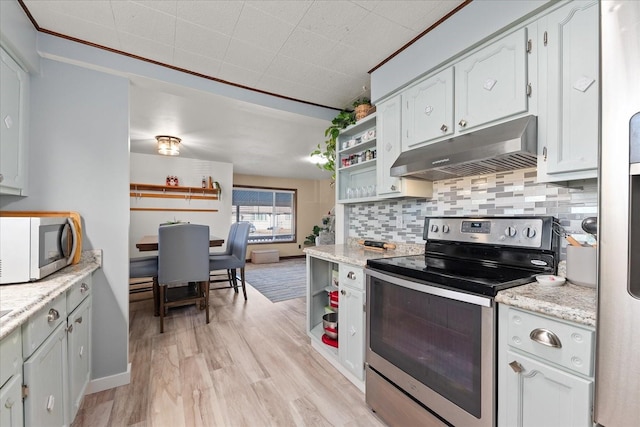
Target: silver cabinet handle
(516,366)
(545,337)
(393,188)
(444,128)
(343,292)
(51,401)
(351,275)
(544,153)
(79,320)
(70,329)
(462,123)
(9,403)
(84,288)
(53,315)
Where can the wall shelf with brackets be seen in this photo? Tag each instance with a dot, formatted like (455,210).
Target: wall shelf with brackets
(140,191)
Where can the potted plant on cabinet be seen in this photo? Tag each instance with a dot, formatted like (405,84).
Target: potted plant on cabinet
(362,108)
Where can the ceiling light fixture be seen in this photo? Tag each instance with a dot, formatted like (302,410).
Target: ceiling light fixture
(168,145)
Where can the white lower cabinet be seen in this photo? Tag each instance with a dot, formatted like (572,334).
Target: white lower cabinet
(48,387)
(79,354)
(11,380)
(45,376)
(351,335)
(348,358)
(545,371)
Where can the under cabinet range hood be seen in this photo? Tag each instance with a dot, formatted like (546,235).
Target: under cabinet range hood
(507,146)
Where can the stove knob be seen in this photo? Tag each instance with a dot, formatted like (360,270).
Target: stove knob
(530,232)
(445,228)
(434,228)
(510,231)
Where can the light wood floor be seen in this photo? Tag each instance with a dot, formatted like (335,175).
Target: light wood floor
(251,366)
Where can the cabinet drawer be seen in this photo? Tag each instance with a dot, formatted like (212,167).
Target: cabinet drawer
(40,325)
(10,355)
(574,349)
(351,276)
(78,292)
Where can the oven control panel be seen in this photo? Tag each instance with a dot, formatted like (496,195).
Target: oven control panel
(526,232)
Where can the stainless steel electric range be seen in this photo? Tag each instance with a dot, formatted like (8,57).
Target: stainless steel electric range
(431,319)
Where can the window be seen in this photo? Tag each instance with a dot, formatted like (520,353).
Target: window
(270,211)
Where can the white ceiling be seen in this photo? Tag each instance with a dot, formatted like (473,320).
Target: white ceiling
(318,52)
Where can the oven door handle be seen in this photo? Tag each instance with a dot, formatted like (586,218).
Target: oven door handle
(433,290)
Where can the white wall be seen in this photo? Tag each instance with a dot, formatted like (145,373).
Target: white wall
(79,161)
(153,169)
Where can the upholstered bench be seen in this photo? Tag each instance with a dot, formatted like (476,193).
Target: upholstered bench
(265,256)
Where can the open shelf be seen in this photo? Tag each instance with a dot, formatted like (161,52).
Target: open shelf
(140,191)
(160,192)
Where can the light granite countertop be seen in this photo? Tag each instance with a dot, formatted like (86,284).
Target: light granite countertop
(354,254)
(25,299)
(569,302)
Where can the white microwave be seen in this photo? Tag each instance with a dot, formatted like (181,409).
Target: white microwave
(34,247)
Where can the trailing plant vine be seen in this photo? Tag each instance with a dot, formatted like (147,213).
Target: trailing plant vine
(328,151)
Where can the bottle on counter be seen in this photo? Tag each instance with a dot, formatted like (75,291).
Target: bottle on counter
(204,182)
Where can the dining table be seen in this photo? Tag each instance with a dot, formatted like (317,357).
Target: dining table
(150,242)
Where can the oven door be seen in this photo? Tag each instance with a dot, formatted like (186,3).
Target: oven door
(435,344)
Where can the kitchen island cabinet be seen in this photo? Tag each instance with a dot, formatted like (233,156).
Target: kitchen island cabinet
(348,357)
(349,261)
(546,340)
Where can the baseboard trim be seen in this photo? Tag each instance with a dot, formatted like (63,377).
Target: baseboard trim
(112,381)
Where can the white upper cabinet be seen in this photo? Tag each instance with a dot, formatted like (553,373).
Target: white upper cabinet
(427,110)
(14,87)
(569,123)
(389,148)
(491,84)
(389,145)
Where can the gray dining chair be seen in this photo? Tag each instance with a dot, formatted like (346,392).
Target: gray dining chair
(236,259)
(183,267)
(146,267)
(216,277)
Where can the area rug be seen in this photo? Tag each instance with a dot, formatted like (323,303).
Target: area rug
(279,281)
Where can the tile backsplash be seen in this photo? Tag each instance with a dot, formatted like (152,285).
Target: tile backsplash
(502,194)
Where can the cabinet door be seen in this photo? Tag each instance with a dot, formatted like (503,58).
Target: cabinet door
(13,86)
(11,403)
(541,395)
(351,330)
(45,374)
(389,147)
(79,354)
(492,83)
(571,124)
(427,110)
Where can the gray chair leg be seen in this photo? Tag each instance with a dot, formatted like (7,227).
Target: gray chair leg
(244,289)
(162,298)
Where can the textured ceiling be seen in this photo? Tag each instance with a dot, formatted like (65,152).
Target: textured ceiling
(318,52)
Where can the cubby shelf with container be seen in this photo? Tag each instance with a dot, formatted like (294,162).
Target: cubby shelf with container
(356,162)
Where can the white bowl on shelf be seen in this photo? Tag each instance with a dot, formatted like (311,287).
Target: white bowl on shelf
(550,280)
